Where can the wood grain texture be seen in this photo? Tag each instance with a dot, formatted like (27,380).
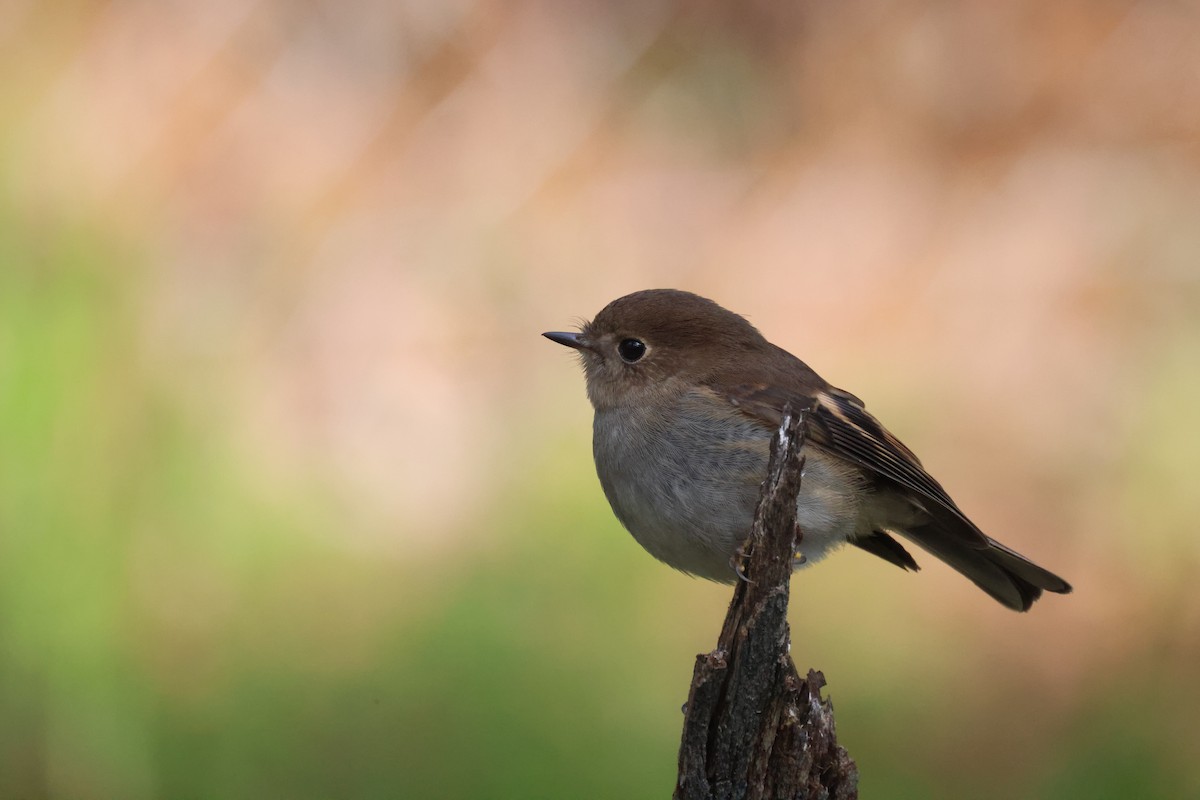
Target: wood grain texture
(753,728)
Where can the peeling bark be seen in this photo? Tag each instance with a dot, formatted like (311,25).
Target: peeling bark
(753,728)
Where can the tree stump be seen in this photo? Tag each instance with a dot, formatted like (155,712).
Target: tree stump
(753,728)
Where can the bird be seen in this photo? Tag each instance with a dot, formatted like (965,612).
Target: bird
(687,396)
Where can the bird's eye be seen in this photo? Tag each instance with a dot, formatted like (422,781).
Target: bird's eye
(631,350)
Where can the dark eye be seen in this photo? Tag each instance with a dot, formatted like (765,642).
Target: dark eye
(631,350)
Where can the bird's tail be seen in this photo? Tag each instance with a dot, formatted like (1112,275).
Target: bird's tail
(1003,573)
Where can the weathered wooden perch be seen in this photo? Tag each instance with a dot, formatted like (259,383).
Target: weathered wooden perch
(753,728)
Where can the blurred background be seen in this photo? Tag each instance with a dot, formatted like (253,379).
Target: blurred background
(295,502)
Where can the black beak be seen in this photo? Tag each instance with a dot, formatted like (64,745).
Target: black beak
(568,339)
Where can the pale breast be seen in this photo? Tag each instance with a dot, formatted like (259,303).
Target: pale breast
(685,483)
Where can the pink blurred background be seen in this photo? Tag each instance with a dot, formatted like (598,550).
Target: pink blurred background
(333,232)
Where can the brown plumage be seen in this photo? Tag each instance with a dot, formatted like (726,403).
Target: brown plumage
(687,395)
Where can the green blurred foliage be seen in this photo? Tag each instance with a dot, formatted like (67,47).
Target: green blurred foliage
(503,686)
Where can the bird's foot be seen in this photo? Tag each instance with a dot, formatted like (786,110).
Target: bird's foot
(740,560)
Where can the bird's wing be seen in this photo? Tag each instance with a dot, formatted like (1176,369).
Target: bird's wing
(840,424)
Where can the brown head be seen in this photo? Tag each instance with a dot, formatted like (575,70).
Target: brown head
(656,341)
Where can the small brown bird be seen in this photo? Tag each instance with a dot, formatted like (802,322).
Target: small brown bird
(687,396)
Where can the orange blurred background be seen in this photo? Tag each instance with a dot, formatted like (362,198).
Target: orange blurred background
(295,502)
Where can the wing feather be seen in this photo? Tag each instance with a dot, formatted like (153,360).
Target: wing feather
(841,424)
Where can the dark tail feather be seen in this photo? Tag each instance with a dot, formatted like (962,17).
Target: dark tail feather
(1005,574)
(887,548)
